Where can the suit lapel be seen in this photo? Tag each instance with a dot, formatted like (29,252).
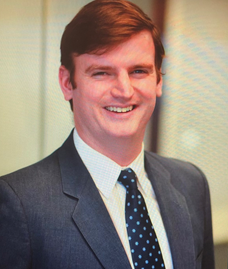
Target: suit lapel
(90,214)
(175,214)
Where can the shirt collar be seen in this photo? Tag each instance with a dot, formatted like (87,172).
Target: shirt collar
(104,171)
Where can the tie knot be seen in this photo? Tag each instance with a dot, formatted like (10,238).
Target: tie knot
(128,179)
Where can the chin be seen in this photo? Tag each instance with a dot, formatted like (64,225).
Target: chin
(123,134)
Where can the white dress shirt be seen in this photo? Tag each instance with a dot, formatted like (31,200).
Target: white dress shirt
(105,173)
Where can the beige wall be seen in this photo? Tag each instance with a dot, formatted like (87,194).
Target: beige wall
(34,117)
(20,43)
(194,120)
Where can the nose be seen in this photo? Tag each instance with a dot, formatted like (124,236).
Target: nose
(123,86)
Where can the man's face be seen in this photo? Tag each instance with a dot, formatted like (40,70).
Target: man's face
(116,91)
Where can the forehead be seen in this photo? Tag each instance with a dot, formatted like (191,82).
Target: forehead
(137,49)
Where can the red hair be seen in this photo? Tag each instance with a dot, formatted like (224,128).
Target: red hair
(101,25)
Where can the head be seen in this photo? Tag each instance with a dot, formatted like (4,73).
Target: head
(100,26)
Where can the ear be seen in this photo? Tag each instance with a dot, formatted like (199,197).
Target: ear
(159,88)
(65,84)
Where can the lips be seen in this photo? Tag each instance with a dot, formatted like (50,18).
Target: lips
(119,109)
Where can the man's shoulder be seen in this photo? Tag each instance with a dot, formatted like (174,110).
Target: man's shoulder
(43,168)
(181,172)
(31,173)
(172,164)
(184,176)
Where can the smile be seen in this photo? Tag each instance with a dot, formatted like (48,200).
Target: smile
(119,109)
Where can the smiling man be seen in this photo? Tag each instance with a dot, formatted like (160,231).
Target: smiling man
(115,96)
(100,200)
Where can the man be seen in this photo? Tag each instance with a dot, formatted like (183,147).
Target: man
(68,210)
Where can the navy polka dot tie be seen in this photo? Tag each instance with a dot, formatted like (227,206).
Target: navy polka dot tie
(143,241)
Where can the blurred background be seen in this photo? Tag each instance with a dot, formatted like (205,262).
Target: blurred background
(191,118)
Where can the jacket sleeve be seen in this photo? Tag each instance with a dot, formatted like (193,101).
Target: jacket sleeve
(15,252)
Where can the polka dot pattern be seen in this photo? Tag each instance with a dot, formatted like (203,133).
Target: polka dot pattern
(143,241)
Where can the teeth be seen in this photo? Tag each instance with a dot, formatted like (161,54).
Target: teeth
(119,109)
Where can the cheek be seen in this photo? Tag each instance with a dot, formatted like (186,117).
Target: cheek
(92,91)
(85,105)
(149,95)
(80,103)
(148,89)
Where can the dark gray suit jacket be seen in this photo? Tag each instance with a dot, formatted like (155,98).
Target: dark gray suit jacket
(52,216)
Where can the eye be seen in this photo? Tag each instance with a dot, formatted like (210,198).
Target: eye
(100,73)
(140,71)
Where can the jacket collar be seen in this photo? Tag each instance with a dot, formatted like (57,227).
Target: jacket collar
(174,212)
(90,214)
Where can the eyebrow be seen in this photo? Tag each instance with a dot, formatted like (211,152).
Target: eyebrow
(100,67)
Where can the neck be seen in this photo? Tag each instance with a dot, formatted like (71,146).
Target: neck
(122,150)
